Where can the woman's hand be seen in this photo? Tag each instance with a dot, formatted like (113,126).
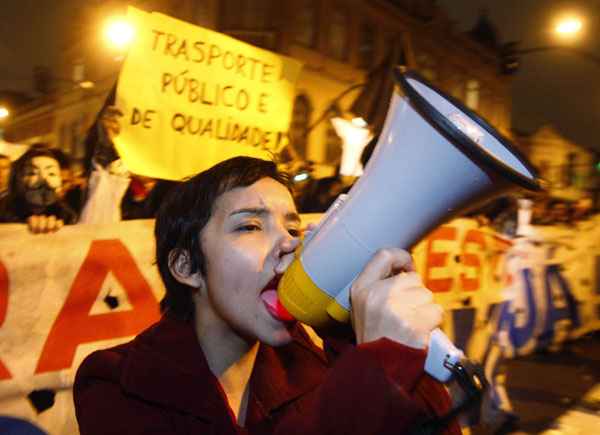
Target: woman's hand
(389,300)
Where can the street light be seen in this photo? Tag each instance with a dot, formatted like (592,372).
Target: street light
(86,84)
(568,27)
(4,113)
(119,33)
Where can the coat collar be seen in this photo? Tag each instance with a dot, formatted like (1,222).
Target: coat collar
(285,373)
(166,365)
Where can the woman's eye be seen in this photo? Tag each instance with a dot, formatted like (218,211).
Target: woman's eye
(248,228)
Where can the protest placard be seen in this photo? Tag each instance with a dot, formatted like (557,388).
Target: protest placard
(193,97)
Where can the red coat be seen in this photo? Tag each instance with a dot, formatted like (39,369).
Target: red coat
(160,383)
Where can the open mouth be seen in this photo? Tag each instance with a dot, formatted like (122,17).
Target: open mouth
(272,303)
(272,285)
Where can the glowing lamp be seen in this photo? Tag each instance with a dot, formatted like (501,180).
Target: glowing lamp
(119,33)
(569,27)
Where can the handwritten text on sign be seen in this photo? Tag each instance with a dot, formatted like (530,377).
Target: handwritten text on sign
(193,97)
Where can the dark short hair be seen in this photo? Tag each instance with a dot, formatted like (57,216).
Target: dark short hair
(184,214)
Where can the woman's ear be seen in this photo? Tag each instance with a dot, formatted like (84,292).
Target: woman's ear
(181,269)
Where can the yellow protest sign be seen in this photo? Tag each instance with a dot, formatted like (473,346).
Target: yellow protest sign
(193,97)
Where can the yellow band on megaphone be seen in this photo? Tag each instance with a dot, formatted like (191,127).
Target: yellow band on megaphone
(338,312)
(302,298)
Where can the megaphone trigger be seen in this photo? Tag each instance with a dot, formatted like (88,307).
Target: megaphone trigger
(441,356)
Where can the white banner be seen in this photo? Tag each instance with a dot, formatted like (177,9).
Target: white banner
(92,286)
(56,293)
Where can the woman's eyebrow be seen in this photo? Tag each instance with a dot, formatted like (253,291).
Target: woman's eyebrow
(293,217)
(262,211)
(256,211)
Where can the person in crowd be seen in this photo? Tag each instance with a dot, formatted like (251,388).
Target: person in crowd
(144,196)
(499,213)
(4,174)
(582,208)
(318,194)
(73,187)
(34,192)
(321,193)
(559,212)
(125,195)
(505,222)
(225,358)
(540,214)
(133,205)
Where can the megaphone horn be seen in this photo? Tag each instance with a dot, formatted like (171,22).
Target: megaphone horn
(434,159)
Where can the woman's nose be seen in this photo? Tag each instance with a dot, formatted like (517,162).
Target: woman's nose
(285,252)
(287,243)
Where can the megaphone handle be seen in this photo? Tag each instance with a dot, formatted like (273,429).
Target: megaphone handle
(441,354)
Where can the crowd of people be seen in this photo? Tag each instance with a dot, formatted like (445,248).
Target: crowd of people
(501,214)
(43,192)
(41,189)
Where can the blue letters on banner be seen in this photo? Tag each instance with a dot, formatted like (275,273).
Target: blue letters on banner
(559,304)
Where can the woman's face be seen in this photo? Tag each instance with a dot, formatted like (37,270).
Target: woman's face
(245,243)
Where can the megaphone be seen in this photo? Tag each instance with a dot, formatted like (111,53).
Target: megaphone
(434,159)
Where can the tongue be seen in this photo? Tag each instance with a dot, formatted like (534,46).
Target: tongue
(275,307)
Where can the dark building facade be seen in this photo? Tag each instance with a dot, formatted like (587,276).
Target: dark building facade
(339,43)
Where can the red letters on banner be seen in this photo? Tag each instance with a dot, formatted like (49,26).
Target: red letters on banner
(500,246)
(4,373)
(472,260)
(74,325)
(438,259)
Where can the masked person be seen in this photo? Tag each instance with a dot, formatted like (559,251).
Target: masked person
(226,359)
(34,192)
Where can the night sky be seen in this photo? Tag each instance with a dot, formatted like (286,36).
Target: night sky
(557,88)
(31,33)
